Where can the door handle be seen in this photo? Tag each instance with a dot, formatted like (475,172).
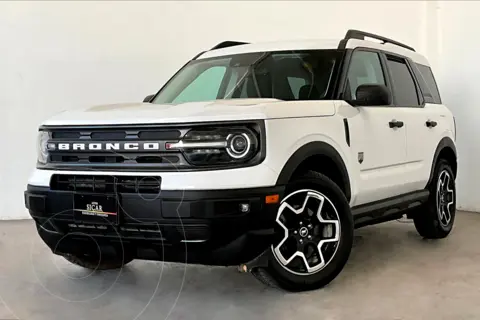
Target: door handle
(395,124)
(431,123)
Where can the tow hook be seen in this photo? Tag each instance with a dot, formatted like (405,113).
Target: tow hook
(261,261)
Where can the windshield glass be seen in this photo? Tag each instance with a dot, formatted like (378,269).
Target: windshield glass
(304,75)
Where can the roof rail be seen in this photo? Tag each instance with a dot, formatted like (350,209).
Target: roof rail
(357,34)
(226,44)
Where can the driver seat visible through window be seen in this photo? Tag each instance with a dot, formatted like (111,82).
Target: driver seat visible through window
(288,77)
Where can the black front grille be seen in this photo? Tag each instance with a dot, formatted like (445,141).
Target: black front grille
(116,134)
(109,157)
(106,184)
(159,135)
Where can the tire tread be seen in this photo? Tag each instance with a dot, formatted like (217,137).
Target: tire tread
(426,217)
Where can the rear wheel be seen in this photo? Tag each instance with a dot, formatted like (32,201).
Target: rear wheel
(435,219)
(315,230)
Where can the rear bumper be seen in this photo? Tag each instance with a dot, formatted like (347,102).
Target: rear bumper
(205,227)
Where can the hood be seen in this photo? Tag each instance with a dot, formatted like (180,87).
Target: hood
(219,110)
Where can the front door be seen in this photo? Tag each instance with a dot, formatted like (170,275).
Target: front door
(377,134)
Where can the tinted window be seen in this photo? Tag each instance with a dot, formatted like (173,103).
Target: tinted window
(205,87)
(428,84)
(404,88)
(289,76)
(365,68)
(302,75)
(296,85)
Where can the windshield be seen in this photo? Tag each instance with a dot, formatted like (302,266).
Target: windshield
(304,75)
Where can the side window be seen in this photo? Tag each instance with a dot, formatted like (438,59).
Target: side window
(296,84)
(365,68)
(429,87)
(205,87)
(404,88)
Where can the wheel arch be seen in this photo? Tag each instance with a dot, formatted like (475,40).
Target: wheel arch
(445,150)
(321,157)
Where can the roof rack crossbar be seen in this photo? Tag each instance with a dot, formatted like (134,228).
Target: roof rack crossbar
(226,44)
(357,34)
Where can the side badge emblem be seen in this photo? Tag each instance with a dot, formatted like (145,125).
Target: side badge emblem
(360,157)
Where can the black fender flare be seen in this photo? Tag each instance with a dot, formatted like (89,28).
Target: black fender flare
(312,149)
(446,142)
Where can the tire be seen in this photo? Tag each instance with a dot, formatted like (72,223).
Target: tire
(436,217)
(98,263)
(303,233)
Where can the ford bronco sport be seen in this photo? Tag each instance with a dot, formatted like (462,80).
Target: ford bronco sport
(266,156)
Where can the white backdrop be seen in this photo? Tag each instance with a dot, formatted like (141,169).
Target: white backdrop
(62,55)
(460,80)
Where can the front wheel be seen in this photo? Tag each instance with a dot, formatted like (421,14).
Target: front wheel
(315,230)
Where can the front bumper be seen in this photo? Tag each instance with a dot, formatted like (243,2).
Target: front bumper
(205,227)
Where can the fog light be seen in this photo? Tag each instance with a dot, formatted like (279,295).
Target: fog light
(245,207)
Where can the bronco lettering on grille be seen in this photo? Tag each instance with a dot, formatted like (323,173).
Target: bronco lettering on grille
(104,146)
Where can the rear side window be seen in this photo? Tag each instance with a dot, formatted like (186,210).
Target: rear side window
(427,84)
(404,88)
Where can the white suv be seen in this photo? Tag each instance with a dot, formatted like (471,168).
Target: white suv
(266,156)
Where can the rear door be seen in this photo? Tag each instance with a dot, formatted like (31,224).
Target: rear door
(432,122)
(422,140)
(378,147)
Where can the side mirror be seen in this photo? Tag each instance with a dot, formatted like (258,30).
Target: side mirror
(148,98)
(372,95)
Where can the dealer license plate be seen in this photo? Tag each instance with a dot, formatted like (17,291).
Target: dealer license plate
(99,209)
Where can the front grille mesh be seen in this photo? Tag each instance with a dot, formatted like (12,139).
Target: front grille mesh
(115,134)
(106,184)
(115,158)
(153,158)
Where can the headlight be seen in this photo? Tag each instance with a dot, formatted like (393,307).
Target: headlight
(218,146)
(42,151)
(238,145)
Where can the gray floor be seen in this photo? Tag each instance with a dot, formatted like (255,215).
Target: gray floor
(392,274)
